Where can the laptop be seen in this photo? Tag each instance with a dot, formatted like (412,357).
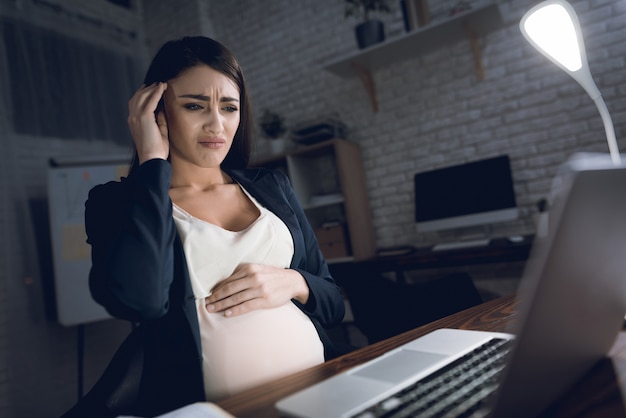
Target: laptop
(572,300)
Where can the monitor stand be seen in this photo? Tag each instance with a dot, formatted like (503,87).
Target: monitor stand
(466,238)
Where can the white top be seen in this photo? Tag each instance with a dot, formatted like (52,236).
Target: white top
(248,350)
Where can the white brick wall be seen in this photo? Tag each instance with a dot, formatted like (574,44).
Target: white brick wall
(432,112)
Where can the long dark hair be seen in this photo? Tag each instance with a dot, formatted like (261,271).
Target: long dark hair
(178,55)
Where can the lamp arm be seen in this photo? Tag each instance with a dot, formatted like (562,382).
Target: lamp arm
(608,128)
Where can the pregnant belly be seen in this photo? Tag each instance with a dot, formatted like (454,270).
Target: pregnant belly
(248,350)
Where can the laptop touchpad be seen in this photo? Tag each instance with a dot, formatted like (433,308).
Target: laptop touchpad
(400,365)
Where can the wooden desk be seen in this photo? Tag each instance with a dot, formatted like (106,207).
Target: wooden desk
(600,394)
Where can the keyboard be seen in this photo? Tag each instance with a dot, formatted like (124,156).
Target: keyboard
(457,390)
(457,245)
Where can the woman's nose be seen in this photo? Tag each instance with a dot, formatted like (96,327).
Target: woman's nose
(213,122)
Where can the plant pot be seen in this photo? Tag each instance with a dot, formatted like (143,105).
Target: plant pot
(369,33)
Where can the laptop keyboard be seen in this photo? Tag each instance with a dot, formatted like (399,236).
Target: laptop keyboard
(457,390)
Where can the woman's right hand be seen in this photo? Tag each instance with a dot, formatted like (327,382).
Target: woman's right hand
(149,132)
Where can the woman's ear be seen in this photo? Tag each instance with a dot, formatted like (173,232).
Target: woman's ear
(160,107)
(160,114)
(161,118)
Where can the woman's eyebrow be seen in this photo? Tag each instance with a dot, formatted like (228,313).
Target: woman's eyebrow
(228,99)
(207,98)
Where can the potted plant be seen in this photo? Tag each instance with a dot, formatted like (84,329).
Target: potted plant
(370,31)
(273,128)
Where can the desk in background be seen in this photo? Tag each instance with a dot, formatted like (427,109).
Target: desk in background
(597,395)
(414,289)
(500,250)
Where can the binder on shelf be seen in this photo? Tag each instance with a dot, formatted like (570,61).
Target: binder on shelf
(415,13)
(405,15)
(422,12)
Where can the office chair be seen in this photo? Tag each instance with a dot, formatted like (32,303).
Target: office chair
(383,308)
(117,389)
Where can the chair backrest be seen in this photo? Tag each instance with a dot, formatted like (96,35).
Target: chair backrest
(383,308)
(117,390)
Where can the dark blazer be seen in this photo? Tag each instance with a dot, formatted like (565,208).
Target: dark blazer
(139,273)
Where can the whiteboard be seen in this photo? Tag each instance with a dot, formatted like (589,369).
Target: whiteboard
(68,189)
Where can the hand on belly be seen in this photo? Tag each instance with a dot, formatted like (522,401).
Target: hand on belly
(256,286)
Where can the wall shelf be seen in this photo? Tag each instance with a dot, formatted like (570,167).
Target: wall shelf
(471,24)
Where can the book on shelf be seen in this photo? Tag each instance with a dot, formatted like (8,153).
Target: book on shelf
(415,14)
(396,251)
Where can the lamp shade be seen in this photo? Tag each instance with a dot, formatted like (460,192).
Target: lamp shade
(552,27)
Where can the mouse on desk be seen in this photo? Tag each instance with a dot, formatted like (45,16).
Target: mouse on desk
(515,239)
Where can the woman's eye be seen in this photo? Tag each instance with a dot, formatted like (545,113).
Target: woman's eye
(230,108)
(193,106)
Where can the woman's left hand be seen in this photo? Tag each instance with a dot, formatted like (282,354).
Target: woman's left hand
(256,286)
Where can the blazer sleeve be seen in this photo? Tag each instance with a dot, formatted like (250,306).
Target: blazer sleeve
(130,229)
(325,302)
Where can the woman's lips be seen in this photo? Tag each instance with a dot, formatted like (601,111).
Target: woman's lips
(212,142)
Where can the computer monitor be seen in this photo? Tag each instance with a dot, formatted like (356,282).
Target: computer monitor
(475,193)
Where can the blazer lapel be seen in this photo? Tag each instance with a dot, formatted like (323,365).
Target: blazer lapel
(267,191)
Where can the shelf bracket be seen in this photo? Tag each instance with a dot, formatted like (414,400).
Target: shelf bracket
(368,82)
(478,62)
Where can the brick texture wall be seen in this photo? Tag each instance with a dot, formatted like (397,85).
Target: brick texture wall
(432,109)
(432,112)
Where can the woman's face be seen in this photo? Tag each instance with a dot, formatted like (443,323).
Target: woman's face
(202,110)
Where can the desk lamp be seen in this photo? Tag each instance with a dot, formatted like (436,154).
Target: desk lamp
(552,27)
